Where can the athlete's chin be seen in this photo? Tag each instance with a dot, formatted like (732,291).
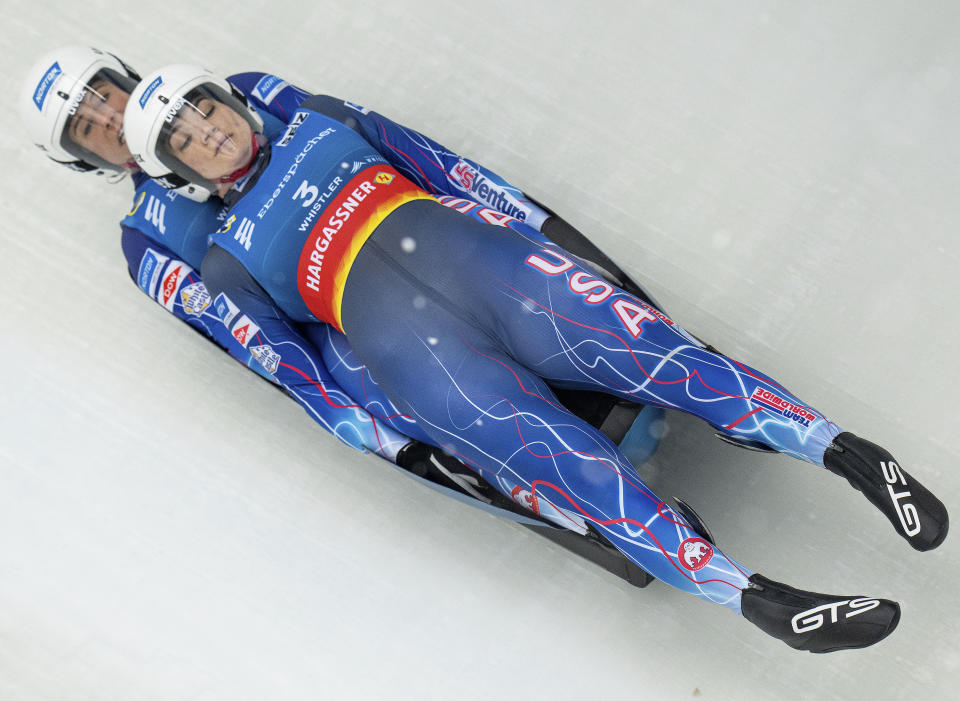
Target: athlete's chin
(239,160)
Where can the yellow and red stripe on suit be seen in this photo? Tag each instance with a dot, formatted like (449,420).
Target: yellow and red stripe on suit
(334,242)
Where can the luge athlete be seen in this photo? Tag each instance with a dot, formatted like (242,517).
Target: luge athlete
(72,105)
(463,324)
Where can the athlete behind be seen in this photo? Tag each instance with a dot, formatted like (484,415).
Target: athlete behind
(72,104)
(464,323)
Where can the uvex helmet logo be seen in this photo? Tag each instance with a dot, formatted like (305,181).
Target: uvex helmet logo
(814,618)
(75,102)
(172,112)
(694,553)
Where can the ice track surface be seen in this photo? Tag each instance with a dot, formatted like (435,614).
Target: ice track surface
(784,178)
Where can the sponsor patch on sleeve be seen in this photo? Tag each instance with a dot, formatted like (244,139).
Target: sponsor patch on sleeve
(268,87)
(176,273)
(195,298)
(780,405)
(267,357)
(244,330)
(226,310)
(149,274)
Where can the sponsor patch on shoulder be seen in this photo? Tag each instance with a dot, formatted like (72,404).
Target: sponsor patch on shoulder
(292,127)
(268,87)
(149,274)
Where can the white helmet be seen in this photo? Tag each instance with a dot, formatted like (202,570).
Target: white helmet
(53,92)
(157,109)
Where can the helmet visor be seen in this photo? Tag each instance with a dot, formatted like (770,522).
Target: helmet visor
(93,131)
(207,136)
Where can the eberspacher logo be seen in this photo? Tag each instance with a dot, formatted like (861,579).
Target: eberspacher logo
(46,82)
(154,84)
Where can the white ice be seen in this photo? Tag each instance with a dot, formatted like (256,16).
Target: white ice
(785,176)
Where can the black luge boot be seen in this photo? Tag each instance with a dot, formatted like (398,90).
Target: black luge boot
(918,516)
(814,622)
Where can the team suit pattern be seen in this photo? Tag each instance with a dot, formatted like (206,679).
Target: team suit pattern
(463,324)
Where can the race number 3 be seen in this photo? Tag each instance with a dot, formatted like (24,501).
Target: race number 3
(306,192)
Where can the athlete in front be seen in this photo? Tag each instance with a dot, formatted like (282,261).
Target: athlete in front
(463,324)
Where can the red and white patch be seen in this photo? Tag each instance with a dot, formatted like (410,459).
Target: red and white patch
(464,174)
(526,499)
(166,295)
(244,330)
(694,553)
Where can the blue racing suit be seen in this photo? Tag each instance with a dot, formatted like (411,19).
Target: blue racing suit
(461,183)
(463,324)
(164,238)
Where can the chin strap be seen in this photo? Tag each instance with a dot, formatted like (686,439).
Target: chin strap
(256,140)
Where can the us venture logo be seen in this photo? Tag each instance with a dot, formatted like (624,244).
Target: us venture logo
(473,181)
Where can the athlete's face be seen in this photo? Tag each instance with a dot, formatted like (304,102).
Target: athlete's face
(211,138)
(97,124)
